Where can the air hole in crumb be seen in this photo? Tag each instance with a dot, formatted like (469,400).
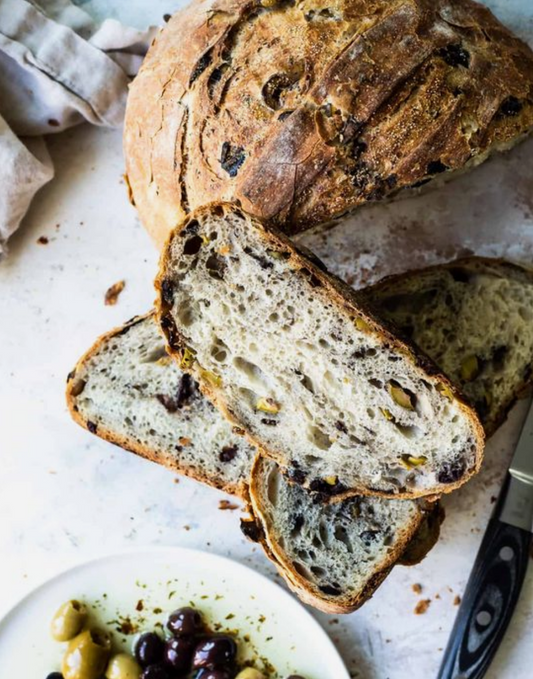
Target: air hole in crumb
(253,372)
(342,536)
(307,383)
(371,413)
(154,355)
(319,438)
(301,570)
(324,343)
(274,317)
(319,572)
(186,313)
(192,245)
(219,351)
(409,431)
(273,487)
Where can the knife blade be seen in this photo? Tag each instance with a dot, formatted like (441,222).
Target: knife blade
(496,579)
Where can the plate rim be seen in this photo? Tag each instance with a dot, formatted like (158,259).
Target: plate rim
(176,550)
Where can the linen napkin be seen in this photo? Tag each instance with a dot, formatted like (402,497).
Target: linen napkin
(58,68)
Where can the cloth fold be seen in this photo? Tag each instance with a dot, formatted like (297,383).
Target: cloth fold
(58,68)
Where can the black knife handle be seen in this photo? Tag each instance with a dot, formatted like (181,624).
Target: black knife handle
(488,602)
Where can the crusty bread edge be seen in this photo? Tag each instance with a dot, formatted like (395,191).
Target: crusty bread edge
(237,489)
(300,585)
(347,301)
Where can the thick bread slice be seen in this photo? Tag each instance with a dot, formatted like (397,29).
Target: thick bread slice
(373,96)
(474,317)
(300,362)
(127,390)
(333,556)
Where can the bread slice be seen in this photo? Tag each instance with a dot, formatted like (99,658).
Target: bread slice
(373,97)
(129,391)
(299,361)
(107,403)
(474,317)
(333,556)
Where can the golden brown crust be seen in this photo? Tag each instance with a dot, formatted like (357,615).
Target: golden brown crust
(130,444)
(301,111)
(350,303)
(302,587)
(496,266)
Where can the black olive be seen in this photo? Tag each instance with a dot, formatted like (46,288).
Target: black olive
(451,472)
(216,650)
(149,649)
(178,653)
(221,673)
(185,622)
(158,671)
(55,675)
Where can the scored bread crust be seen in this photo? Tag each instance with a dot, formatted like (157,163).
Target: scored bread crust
(238,488)
(371,97)
(348,302)
(312,595)
(497,267)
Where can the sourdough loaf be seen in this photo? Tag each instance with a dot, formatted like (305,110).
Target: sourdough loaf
(303,110)
(300,362)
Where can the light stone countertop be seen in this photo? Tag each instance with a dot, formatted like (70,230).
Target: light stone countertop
(66,496)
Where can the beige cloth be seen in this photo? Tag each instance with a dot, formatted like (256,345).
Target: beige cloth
(57,69)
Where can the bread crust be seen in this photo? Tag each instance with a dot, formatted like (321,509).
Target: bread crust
(474,264)
(348,302)
(298,584)
(238,489)
(372,97)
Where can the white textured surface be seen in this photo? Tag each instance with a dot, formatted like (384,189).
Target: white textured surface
(64,495)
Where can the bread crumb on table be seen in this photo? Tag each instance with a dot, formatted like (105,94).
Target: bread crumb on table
(456,600)
(422,606)
(226,504)
(112,294)
(42,240)
(417,588)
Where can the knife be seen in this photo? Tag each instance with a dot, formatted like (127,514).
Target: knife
(499,570)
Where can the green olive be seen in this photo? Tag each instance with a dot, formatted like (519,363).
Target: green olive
(68,621)
(250,673)
(123,666)
(87,655)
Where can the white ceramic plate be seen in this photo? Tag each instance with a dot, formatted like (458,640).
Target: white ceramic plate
(279,628)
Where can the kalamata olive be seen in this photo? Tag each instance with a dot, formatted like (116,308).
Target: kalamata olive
(149,649)
(123,666)
(178,653)
(220,673)
(55,675)
(185,622)
(68,621)
(158,671)
(87,655)
(250,673)
(214,651)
